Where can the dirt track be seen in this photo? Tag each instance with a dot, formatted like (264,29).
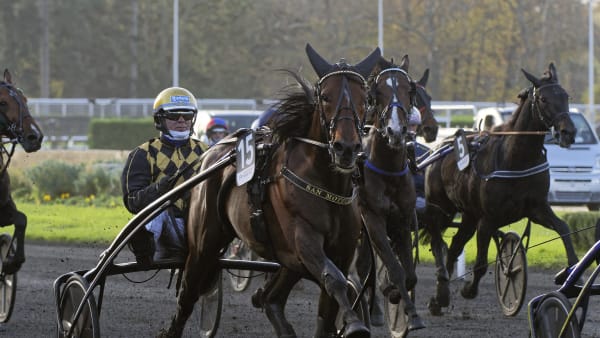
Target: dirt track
(140,310)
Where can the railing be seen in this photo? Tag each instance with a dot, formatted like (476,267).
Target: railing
(67,120)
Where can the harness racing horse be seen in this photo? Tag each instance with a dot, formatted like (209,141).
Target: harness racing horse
(387,192)
(311,223)
(429,126)
(506,180)
(18,126)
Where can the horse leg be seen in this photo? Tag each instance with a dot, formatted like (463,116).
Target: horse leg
(362,266)
(195,282)
(400,239)
(547,218)
(332,280)
(465,232)
(13,263)
(439,249)
(485,230)
(273,297)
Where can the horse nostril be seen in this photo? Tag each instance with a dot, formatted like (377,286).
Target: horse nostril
(404,130)
(338,147)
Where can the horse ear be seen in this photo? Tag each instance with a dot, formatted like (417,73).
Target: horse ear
(365,67)
(552,72)
(7,76)
(423,80)
(320,65)
(405,62)
(534,80)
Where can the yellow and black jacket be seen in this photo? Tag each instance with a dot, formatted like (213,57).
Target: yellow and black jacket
(149,163)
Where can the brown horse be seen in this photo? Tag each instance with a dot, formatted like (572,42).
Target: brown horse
(429,126)
(506,180)
(387,193)
(310,222)
(18,126)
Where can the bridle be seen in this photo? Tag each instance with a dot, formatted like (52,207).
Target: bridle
(329,126)
(536,109)
(14,129)
(394,102)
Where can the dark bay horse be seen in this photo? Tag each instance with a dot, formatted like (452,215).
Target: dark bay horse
(18,126)
(429,126)
(387,193)
(310,222)
(506,180)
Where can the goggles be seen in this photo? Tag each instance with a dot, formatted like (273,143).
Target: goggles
(174,116)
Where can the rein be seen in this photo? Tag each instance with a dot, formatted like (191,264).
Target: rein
(8,153)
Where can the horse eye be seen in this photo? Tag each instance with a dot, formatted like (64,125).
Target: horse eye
(3,103)
(324,98)
(543,99)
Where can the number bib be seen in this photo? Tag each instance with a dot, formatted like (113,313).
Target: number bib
(461,150)
(245,157)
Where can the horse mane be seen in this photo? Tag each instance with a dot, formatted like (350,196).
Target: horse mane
(293,113)
(510,124)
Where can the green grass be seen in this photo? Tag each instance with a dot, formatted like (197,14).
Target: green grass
(73,224)
(86,224)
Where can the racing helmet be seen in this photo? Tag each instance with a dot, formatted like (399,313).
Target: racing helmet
(174,100)
(215,125)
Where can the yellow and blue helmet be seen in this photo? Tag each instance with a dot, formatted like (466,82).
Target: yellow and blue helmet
(171,100)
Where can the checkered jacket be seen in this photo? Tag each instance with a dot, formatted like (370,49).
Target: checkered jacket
(150,162)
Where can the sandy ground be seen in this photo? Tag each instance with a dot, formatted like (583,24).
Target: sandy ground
(141,309)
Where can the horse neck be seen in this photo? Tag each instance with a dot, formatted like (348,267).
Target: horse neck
(384,157)
(525,148)
(313,164)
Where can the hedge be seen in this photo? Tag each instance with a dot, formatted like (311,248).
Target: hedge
(583,226)
(120,134)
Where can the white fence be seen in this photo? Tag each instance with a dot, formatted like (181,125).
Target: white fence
(121,107)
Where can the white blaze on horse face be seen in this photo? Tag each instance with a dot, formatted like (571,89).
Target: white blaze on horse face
(394,120)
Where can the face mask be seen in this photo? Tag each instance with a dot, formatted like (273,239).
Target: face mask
(178,135)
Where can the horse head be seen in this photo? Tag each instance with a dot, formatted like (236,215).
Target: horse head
(341,101)
(392,93)
(551,104)
(15,120)
(429,126)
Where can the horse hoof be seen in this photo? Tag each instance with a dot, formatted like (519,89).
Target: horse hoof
(442,293)
(416,323)
(11,265)
(257,298)
(357,330)
(434,308)
(468,292)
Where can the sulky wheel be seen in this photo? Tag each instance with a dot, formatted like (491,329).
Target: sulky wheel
(208,309)
(511,274)
(8,282)
(71,296)
(550,316)
(240,279)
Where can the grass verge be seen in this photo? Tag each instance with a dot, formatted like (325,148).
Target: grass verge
(100,225)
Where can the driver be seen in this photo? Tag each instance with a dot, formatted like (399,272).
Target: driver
(156,166)
(415,152)
(216,129)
